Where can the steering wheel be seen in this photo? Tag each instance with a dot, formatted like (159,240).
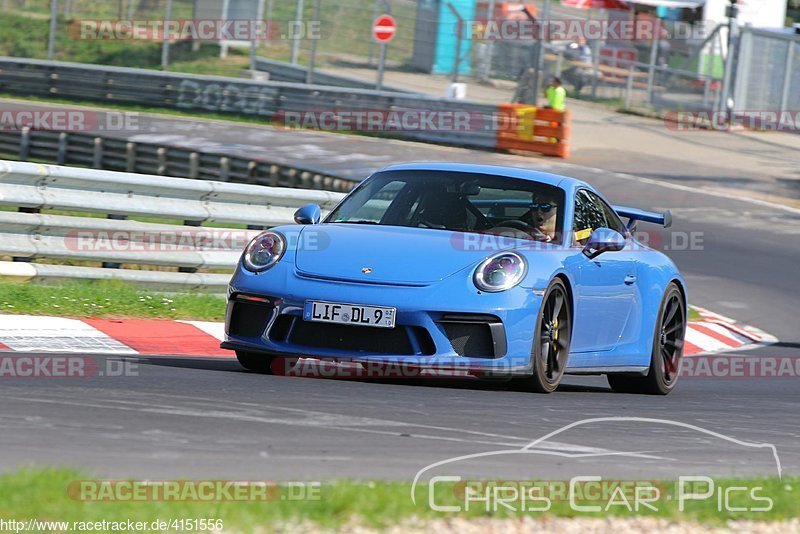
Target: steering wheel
(522,226)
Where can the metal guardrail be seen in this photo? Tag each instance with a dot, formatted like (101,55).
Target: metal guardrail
(121,85)
(176,251)
(102,152)
(280,71)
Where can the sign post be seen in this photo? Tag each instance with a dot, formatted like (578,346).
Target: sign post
(383,31)
(51,42)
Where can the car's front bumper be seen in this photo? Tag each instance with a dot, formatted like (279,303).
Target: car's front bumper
(425,315)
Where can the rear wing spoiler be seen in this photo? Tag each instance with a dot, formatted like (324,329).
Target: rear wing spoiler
(633,215)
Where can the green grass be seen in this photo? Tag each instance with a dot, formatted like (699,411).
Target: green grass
(42,494)
(106,298)
(345,32)
(16,41)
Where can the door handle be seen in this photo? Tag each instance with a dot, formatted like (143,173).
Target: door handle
(630,279)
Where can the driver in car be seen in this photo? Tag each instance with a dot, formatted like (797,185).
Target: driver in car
(542,216)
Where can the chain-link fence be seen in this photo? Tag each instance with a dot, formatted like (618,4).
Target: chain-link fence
(679,70)
(625,83)
(768,72)
(341,31)
(345,35)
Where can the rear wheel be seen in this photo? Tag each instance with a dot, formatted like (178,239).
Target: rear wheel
(255,361)
(551,341)
(665,360)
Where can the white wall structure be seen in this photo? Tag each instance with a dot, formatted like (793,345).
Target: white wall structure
(758,13)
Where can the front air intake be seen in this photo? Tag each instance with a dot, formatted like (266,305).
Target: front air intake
(475,336)
(248,318)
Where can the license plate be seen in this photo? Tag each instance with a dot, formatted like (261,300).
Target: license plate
(353,314)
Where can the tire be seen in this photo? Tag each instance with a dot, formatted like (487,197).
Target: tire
(665,359)
(255,361)
(550,349)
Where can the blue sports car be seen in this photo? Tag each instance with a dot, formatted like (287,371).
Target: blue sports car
(496,271)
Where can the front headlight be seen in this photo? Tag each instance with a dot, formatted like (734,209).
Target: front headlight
(264,251)
(500,272)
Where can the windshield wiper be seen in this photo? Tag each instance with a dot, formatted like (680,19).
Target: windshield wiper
(358,222)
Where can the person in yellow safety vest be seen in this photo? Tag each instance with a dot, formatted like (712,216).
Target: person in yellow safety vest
(556,95)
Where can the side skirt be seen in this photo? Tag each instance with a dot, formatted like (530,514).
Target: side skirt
(607,370)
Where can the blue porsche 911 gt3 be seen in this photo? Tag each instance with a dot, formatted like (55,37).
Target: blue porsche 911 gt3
(500,271)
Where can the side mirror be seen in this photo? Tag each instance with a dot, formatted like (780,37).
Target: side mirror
(603,240)
(308,214)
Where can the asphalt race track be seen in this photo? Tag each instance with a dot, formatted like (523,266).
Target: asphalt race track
(184,417)
(187,417)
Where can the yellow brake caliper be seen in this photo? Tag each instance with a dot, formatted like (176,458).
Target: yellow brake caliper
(555,333)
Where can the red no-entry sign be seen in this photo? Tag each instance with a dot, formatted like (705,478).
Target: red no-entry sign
(384,28)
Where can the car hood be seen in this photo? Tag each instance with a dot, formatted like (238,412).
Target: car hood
(395,255)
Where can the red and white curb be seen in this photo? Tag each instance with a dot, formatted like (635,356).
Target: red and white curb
(40,334)
(33,333)
(717,333)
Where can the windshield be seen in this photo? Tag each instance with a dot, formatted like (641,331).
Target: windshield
(457,201)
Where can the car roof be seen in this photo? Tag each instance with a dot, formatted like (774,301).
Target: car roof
(557,180)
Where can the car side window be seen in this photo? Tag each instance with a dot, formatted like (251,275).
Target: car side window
(612,219)
(589,216)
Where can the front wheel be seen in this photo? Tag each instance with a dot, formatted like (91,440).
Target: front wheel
(665,360)
(255,361)
(551,341)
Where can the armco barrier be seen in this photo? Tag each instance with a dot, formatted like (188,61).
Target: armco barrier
(269,100)
(201,239)
(472,124)
(108,153)
(531,129)
(280,71)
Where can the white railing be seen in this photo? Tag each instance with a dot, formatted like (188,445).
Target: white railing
(200,229)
